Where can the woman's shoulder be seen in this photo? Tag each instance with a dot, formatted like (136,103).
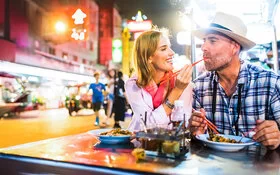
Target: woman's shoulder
(131,83)
(131,80)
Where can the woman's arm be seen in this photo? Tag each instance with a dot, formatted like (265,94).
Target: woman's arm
(141,102)
(183,79)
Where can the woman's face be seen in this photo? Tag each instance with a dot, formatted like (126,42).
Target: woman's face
(162,59)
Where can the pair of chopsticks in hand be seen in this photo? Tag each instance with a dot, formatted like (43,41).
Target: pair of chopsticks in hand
(214,128)
(211,126)
(177,72)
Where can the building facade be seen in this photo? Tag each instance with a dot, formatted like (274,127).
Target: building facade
(30,42)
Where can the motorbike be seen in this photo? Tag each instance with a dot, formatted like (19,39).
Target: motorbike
(75,100)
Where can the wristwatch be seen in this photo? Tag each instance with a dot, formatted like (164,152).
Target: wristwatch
(168,104)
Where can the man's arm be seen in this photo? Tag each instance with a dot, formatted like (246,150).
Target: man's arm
(268,131)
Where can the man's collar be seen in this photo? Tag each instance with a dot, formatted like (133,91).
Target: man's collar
(243,73)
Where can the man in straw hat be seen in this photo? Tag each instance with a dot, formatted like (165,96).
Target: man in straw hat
(238,97)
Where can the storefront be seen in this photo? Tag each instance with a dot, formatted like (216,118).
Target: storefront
(46,85)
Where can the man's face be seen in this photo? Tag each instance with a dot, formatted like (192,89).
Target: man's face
(217,52)
(96,77)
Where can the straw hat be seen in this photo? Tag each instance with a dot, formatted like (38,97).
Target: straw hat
(230,26)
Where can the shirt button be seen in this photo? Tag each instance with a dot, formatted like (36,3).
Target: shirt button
(230,109)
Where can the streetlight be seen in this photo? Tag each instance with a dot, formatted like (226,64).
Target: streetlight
(60,27)
(76,30)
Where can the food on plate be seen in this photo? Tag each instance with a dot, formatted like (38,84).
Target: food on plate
(139,153)
(218,138)
(116,132)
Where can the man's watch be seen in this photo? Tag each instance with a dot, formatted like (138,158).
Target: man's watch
(169,104)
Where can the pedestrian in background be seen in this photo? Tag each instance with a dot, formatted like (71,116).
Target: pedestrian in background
(111,76)
(111,86)
(97,96)
(119,100)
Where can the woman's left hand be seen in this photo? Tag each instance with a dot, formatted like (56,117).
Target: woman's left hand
(267,133)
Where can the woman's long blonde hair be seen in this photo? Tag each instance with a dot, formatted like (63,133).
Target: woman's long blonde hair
(144,47)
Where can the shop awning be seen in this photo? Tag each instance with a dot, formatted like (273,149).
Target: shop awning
(42,72)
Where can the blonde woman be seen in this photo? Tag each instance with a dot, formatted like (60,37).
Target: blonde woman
(149,96)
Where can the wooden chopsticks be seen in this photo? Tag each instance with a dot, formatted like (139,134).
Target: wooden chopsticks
(212,126)
(193,64)
(170,77)
(177,72)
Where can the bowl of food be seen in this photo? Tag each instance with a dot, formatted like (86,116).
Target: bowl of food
(115,136)
(227,143)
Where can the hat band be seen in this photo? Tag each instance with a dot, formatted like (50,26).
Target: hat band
(219,26)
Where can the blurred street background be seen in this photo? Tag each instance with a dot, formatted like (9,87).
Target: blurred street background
(50,50)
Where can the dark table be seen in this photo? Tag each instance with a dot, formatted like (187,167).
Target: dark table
(76,154)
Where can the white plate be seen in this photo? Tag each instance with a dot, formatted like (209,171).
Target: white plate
(110,139)
(227,147)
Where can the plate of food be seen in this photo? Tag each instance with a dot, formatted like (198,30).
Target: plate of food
(227,143)
(113,136)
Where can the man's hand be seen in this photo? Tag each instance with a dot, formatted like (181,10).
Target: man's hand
(197,123)
(267,133)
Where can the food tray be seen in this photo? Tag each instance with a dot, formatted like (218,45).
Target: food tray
(164,144)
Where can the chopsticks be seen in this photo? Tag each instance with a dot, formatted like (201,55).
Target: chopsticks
(193,64)
(211,126)
(177,72)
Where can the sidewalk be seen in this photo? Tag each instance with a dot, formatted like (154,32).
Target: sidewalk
(37,125)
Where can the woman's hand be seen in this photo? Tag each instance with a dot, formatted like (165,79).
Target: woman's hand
(184,77)
(267,133)
(197,123)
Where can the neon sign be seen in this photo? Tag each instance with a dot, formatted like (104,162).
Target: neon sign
(135,26)
(79,16)
(78,33)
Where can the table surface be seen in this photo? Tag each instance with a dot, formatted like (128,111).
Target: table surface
(80,150)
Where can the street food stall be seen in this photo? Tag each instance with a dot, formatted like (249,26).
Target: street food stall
(12,100)
(85,154)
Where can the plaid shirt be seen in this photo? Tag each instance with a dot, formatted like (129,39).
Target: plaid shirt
(260,99)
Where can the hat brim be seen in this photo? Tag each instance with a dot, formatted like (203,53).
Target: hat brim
(244,42)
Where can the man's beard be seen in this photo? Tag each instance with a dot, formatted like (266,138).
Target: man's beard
(211,66)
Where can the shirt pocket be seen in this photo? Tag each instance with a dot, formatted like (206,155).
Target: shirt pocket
(255,113)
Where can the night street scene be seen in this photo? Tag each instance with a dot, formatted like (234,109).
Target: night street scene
(139,87)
